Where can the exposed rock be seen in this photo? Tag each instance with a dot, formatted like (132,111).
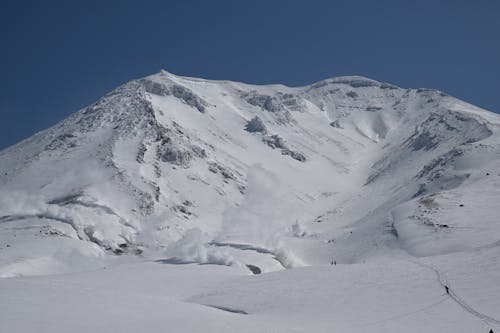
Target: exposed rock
(189,97)
(219,169)
(435,167)
(156,192)
(352,94)
(355,81)
(266,102)
(274,141)
(256,125)
(423,140)
(140,153)
(439,126)
(291,102)
(62,141)
(271,104)
(155,88)
(336,124)
(294,154)
(184,209)
(178,91)
(176,155)
(254,269)
(373,108)
(198,151)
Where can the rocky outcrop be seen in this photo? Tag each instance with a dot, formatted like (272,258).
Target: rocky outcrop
(276,142)
(184,94)
(256,125)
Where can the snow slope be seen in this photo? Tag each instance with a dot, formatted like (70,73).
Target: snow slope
(389,184)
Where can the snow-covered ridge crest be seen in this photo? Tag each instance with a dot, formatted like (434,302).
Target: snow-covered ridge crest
(163,162)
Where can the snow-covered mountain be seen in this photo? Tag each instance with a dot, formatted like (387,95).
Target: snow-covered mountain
(347,171)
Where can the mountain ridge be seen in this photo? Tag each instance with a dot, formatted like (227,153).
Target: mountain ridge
(163,155)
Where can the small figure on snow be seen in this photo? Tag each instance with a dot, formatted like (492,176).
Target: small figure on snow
(447,290)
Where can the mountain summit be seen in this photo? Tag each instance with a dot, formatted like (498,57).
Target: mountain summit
(269,176)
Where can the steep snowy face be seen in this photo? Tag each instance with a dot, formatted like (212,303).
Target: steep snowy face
(366,164)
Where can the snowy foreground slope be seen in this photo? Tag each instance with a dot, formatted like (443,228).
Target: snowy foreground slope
(343,206)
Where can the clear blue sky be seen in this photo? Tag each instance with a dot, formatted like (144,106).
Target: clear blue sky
(58,56)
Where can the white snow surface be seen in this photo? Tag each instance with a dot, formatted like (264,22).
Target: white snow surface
(355,201)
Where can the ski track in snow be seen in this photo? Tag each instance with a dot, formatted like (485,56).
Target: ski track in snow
(453,295)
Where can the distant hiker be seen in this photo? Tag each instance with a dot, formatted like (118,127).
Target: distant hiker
(491,331)
(447,290)
(335,262)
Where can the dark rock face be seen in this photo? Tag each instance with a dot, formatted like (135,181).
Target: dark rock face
(432,169)
(140,153)
(219,169)
(352,94)
(256,125)
(446,125)
(445,133)
(336,124)
(294,154)
(178,155)
(178,91)
(188,97)
(267,103)
(273,104)
(276,142)
(373,108)
(254,269)
(67,141)
(423,141)
(155,88)
(292,102)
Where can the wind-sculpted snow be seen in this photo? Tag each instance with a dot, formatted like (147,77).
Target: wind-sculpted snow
(90,221)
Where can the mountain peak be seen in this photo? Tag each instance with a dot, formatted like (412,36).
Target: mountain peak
(165,154)
(355,81)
